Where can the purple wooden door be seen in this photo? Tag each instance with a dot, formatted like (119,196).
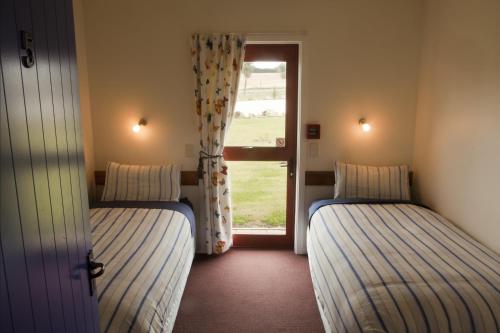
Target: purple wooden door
(44,229)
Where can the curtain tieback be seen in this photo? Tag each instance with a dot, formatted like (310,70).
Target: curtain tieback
(205,156)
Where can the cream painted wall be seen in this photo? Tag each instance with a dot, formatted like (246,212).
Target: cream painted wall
(86,117)
(457,150)
(362,61)
(360,58)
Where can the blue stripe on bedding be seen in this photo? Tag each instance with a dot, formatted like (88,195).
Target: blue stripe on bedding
(399,268)
(148,291)
(359,279)
(147,254)
(171,295)
(338,279)
(448,250)
(109,226)
(433,267)
(438,255)
(109,258)
(181,207)
(325,202)
(94,214)
(130,257)
(455,242)
(125,225)
(379,275)
(155,313)
(140,272)
(393,267)
(320,290)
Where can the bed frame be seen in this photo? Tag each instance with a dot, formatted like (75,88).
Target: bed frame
(327,178)
(188,178)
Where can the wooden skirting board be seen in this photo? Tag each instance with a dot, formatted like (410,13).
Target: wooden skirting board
(188,178)
(327,178)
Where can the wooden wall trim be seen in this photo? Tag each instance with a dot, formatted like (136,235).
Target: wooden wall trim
(188,178)
(327,178)
(320,178)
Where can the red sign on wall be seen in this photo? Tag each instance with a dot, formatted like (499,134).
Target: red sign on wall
(313,131)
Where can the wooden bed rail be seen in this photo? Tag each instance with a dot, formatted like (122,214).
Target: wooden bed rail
(327,178)
(188,178)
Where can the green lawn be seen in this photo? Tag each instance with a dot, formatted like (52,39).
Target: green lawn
(259,131)
(258,193)
(258,188)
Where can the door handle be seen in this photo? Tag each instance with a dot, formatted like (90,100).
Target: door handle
(95,269)
(93,266)
(291,166)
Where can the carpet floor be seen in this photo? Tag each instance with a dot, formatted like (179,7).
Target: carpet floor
(249,291)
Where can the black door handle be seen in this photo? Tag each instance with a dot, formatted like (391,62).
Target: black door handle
(93,266)
(95,269)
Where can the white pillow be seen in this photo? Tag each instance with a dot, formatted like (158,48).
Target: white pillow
(369,182)
(142,182)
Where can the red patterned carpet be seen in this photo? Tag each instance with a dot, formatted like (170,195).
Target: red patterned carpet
(249,291)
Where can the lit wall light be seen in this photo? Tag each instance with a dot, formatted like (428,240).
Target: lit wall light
(364,125)
(137,127)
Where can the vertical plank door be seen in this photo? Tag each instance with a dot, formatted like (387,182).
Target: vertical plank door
(44,228)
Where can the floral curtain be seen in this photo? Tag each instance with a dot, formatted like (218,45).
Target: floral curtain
(217,60)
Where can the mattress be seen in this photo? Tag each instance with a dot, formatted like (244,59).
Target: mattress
(400,268)
(147,253)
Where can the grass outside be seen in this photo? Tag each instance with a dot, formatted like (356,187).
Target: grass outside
(259,131)
(258,188)
(258,194)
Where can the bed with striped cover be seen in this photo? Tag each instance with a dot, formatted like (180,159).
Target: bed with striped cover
(147,255)
(400,268)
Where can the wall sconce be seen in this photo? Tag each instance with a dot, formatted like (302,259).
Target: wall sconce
(364,125)
(137,127)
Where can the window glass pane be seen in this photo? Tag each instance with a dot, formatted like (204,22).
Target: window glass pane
(258,196)
(259,116)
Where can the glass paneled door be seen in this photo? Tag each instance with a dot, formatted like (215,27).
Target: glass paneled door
(261,145)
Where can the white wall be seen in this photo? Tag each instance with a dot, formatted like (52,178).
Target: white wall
(362,61)
(457,141)
(360,58)
(86,117)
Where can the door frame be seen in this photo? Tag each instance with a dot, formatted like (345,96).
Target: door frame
(288,52)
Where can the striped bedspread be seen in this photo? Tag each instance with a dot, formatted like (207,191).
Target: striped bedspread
(400,268)
(147,255)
